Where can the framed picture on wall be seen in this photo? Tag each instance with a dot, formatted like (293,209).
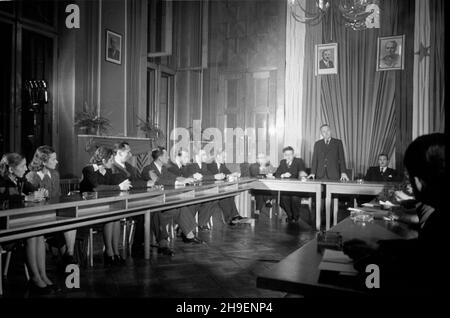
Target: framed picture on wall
(391,53)
(113,47)
(326,59)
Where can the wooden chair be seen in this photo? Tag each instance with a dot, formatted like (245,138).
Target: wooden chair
(69,185)
(4,271)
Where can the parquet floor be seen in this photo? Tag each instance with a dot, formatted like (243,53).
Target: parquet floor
(226,266)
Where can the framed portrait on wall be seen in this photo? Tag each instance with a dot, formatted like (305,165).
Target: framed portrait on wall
(113,47)
(326,59)
(391,53)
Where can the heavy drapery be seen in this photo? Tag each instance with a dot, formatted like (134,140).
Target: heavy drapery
(295,62)
(429,86)
(358,102)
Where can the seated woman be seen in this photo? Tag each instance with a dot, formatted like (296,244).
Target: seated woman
(14,189)
(97,176)
(43,175)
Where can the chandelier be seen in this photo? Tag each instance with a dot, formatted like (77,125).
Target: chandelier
(356,14)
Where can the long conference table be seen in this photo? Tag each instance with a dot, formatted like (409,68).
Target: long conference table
(299,272)
(71,212)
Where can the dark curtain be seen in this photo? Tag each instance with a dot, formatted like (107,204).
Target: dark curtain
(359,102)
(312,111)
(437,58)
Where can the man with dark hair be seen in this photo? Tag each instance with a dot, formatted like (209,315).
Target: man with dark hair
(328,160)
(121,171)
(220,171)
(175,173)
(382,173)
(199,171)
(416,265)
(290,168)
(153,170)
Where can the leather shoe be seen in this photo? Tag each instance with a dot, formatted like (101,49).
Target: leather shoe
(203,228)
(194,240)
(68,259)
(108,260)
(36,290)
(165,251)
(119,261)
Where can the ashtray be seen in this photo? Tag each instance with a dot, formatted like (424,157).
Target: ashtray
(361,216)
(89,195)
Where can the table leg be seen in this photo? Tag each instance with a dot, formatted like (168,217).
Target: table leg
(335,210)
(327,210)
(147,234)
(318,209)
(1,272)
(278,205)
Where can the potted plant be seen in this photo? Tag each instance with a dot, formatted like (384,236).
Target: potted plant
(90,123)
(152,131)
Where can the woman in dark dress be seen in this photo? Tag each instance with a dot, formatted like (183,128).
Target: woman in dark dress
(43,174)
(14,189)
(97,177)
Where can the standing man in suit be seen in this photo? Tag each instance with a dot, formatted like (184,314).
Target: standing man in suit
(174,173)
(220,171)
(121,171)
(290,168)
(328,160)
(382,173)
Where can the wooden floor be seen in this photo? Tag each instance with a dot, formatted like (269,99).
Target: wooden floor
(226,266)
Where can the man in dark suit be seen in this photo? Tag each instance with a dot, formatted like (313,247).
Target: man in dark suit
(326,61)
(290,168)
(153,170)
(414,267)
(382,173)
(121,171)
(328,160)
(260,169)
(220,171)
(174,173)
(161,219)
(199,171)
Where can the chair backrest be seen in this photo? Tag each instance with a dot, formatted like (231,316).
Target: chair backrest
(68,185)
(245,169)
(350,174)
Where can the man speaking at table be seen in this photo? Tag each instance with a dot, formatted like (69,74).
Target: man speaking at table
(328,160)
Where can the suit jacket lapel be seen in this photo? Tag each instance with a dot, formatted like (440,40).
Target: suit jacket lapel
(125,171)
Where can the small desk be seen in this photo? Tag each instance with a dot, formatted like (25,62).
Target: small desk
(292,185)
(351,187)
(299,272)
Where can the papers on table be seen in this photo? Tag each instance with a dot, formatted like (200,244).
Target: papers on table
(337,261)
(375,212)
(402,196)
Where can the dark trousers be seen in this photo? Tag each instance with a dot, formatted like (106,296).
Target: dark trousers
(229,208)
(261,197)
(184,217)
(205,210)
(291,204)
